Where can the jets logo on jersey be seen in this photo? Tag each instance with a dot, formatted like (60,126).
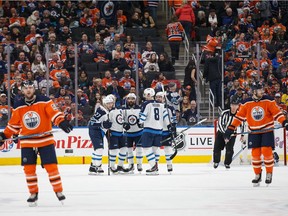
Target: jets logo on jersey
(119,119)
(257,113)
(132,119)
(31,120)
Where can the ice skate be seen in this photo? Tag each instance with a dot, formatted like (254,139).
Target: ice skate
(122,170)
(131,168)
(215,165)
(92,170)
(139,168)
(153,170)
(268,179)
(100,170)
(256,181)
(169,168)
(114,170)
(60,197)
(32,200)
(227,166)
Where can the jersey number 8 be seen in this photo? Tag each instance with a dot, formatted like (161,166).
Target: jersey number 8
(156,114)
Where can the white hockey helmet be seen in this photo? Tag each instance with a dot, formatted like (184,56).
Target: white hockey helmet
(131,95)
(108,99)
(149,92)
(160,94)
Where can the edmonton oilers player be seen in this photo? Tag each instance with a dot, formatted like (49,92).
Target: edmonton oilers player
(98,126)
(32,115)
(167,130)
(152,116)
(116,140)
(260,111)
(131,114)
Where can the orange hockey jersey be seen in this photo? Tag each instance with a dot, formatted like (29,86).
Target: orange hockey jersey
(174,31)
(258,114)
(34,119)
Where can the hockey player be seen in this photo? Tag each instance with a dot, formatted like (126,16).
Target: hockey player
(98,126)
(33,115)
(167,130)
(152,116)
(131,114)
(116,140)
(223,122)
(259,111)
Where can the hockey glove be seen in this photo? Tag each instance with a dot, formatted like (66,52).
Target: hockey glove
(285,124)
(2,138)
(228,134)
(107,124)
(66,126)
(140,125)
(126,126)
(172,129)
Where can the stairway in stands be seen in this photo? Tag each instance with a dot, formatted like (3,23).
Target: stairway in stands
(180,65)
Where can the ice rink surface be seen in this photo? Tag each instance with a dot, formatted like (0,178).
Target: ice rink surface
(192,189)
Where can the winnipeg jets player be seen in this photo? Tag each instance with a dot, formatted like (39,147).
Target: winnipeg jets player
(131,116)
(167,129)
(152,116)
(98,126)
(117,141)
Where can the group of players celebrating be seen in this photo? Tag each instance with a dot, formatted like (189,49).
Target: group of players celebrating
(132,127)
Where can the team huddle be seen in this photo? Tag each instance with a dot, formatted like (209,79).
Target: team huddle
(130,128)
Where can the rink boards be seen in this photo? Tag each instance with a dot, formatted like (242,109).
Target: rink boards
(76,147)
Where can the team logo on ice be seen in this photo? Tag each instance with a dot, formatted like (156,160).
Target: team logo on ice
(31,120)
(257,113)
(132,119)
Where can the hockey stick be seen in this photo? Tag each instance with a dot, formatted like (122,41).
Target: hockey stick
(181,132)
(257,131)
(239,152)
(108,142)
(31,136)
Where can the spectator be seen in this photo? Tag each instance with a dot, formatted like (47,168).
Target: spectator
(165,65)
(110,46)
(65,81)
(201,19)
(22,63)
(65,33)
(55,74)
(280,104)
(185,105)
(30,76)
(147,52)
(68,11)
(107,80)
(127,43)
(81,98)
(101,54)
(212,18)
(180,121)
(34,19)
(122,19)
(127,82)
(159,81)
(136,20)
(88,19)
(174,32)
(85,46)
(117,91)
(147,21)
(45,25)
(186,17)
(152,65)
(102,27)
(15,20)
(118,65)
(97,40)
(191,115)
(83,81)
(117,49)
(190,78)
(16,34)
(95,88)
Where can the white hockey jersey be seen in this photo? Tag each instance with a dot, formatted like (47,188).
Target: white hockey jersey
(116,117)
(131,115)
(100,115)
(153,115)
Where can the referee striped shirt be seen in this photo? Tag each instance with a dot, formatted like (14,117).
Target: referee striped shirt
(225,120)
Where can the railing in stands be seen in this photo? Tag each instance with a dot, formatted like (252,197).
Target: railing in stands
(211,103)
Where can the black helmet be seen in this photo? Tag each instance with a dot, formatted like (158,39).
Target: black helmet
(27,83)
(235,100)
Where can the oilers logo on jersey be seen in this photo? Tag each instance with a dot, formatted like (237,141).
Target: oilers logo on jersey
(257,113)
(31,120)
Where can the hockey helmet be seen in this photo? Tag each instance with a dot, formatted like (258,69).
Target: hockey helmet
(149,92)
(160,94)
(235,100)
(108,99)
(27,83)
(131,95)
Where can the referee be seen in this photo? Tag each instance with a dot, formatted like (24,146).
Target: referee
(223,121)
